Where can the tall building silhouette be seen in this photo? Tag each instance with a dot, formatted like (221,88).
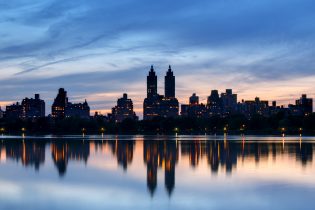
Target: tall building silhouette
(193,100)
(58,109)
(229,101)
(156,105)
(305,104)
(1,113)
(62,108)
(214,103)
(151,83)
(169,84)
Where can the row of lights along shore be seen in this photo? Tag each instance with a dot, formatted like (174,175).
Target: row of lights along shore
(176,130)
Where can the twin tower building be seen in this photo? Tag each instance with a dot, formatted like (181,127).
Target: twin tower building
(156,105)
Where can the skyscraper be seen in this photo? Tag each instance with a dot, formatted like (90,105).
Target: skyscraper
(59,106)
(151,83)
(156,105)
(169,84)
(151,103)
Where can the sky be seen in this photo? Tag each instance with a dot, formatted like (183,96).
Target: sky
(98,50)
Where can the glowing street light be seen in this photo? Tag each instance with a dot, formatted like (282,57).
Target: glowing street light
(283,131)
(225,129)
(301,131)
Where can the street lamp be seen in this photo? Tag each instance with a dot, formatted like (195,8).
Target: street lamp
(283,131)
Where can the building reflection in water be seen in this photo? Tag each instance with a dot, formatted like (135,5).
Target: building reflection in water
(160,154)
(29,153)
(123,150)
(63,151)
(157,154)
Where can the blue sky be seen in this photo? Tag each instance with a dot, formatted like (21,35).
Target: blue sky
(99,49)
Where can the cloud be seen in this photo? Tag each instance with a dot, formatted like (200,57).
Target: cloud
(92,47)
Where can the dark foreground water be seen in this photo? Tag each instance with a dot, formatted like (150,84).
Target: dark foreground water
(157,172)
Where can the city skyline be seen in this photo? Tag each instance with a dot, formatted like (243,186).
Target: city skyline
(179,104)
(155,93)
(228,102)
(99,51)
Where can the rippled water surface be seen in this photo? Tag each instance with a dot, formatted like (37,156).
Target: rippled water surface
(157,172)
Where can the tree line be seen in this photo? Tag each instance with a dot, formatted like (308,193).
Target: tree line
(233,124)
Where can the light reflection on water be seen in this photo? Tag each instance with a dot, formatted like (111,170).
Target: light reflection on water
(157,172)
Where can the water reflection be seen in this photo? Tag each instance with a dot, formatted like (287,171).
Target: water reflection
(62,152)
(160,154)
(31,153)
(157,154)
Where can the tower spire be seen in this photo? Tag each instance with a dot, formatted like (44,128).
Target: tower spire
(151,83)
(169,83)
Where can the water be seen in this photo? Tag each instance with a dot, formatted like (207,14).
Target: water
(157,172)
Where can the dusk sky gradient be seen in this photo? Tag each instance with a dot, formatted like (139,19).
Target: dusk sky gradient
(98,49)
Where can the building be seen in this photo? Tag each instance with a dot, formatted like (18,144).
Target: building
(252,107)
(156,105)
(169,107)
(79,110)
(29,108)
(33,107)
(214,104)
(123,110)
(193,100)
(305,105)
(1,113)
(152,101)
(59,106)
(193,109)
(151,83)
(169,84)
(14,111)
(229,102)
(62,108)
